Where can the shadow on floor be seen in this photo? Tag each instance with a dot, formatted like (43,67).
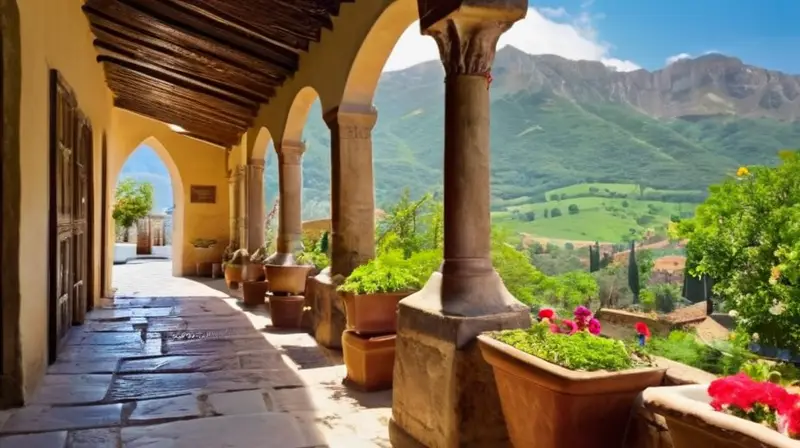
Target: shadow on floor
(195,371)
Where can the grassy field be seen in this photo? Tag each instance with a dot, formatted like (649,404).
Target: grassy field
(600,217)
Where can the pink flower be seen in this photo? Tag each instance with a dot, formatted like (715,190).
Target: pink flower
(569,326)
(582,311)
(594,326)
(554,328)
(546,313)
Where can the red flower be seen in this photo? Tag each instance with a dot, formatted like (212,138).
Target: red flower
(641,329)
(546,313)
(569,326)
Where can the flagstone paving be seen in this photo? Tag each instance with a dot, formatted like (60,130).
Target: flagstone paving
(188,372)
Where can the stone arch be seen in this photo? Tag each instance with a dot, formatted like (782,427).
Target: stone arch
(178,197)
(298,115)
(258,150)
(365,71)
(11,388)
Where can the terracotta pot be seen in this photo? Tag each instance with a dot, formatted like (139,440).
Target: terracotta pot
(287,279)
(369,360)
(286,311)
(372,313)
(548,406)
(254,293)
(692,422)
(233,275)
(254,272)
(204,254)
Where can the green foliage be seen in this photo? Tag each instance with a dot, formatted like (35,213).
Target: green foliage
(573,209)
(315,251)
(746,237)
(568,290)
(133,200)
(633,274)
(519,276)
(555,213)
(667,296)
(581,351)
(613,287)
(386,273)
(412,225)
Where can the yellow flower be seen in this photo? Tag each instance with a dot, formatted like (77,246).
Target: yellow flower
(775,275)
(742,171)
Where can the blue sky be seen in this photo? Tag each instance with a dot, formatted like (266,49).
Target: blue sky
(763,33)
(628,34)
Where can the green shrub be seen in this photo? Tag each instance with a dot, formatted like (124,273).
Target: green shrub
(580,351)
(387,273)
(746,236)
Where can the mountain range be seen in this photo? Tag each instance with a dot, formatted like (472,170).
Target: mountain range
(558,122)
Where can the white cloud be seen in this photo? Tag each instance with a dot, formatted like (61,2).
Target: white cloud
(678,57)
(543,31)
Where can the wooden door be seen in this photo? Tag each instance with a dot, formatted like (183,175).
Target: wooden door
(70,151)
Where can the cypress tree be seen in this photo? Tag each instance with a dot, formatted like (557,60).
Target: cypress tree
(633,273)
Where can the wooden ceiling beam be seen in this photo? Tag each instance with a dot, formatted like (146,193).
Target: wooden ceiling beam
(252,87)
(170,12)
(214,62)
(114,56)
(199,130)
(117,73)
(184,107)
(178,35)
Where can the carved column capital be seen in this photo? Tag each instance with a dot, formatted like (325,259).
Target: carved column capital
(256,164)
(351,122)
(467,38)
(290,152)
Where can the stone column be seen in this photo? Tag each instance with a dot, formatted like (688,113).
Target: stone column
(233,198)
(456,404)
(290,225)
(255,204)
(352,187)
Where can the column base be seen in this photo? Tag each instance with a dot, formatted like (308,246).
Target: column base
(444,392)
(329,320)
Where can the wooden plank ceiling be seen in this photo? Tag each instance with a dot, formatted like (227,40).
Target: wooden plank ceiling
(203,65)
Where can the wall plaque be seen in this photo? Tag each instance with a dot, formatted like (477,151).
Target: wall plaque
(203,194)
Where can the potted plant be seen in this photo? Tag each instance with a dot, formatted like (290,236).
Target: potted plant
(233,264)
(315,254)
(735,411)
(255,270)
(372,291)
(204,248)
(579,387)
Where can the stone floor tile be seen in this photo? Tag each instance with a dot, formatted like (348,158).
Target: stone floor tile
(134,338)
(155,411)
(94,438)
(43,418)
(71,389)
(180,364)
(110,314)
(242,402)
(266,359)
(206,346)
(98,366)
(156,385)
(43,440)
(98,326)
(268,430)
(232,380)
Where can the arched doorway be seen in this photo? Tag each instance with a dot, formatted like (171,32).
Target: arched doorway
(151,162)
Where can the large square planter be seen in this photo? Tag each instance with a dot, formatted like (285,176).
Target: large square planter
(692,422)
(548,406)
(372,313)
(290,279)
(369,360)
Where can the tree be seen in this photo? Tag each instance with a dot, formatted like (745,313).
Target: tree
(530,216)
(573,209)
(746,238)
(555,213)
(133,201)
(546,213)
(554,197)
(633,273)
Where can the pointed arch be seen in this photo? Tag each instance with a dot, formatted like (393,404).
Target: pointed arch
(298,114)
(364,74)
(178,197)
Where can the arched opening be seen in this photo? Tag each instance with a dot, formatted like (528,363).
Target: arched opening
(151,162)
(304,123)
(10,178)
(407,137)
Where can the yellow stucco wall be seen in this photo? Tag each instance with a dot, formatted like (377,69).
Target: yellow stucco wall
(189,162)
(54,34)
